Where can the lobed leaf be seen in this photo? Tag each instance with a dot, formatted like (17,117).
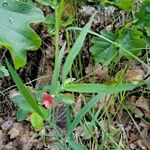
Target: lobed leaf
(102,50)
(130,39)
(15,32)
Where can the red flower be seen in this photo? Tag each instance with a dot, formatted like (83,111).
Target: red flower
(48,100)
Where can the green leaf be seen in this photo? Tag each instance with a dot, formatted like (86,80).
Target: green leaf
(67,99)
(98,88)
(15,32)
(129,38)
(68,120)
(77,146)
(3,71)
(143,15)
(116,44)
(102,50)
(55,77)
(1,74)
(47,2)
(50,21)
(69,80)
(20,101)
(76,49)
(36,121)
(29,97)
(123,4)
(39,94)
(21,114)
(44,111)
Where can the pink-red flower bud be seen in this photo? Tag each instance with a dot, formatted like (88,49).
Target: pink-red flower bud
(48,100)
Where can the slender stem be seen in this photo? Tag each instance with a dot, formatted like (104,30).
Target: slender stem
(57,20)
(59,8)
(58,14)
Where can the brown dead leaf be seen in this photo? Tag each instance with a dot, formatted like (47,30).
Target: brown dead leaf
(69,9)
(145,128)
(133,146)
(87,10)
(141,144)
(101,73)
(134,75)
(138,113)
(23,138)
(140,107)
(78,131)
(16,130)
(89,69)
(131,102)
(132,137)
(9,147)
(17,143)
(31,144)
(143,104)
(78,104)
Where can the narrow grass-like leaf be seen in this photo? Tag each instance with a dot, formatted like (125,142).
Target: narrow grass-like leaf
(110,136)
(68,120)
(76,49)
(83,111)
(24,91)
(98,88)
(54,83)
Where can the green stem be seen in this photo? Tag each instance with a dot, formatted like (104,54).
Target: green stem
(57,20)
(59,8)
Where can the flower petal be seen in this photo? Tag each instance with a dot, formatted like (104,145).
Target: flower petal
(48,100)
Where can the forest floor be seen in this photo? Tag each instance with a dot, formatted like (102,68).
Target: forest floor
(125,119)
